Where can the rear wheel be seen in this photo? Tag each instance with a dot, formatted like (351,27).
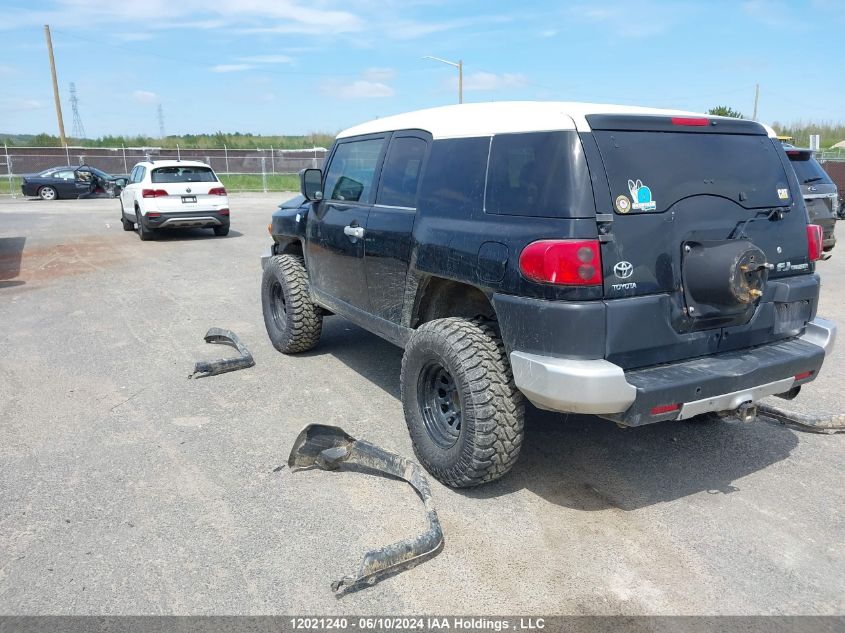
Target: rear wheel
(47,193)
(221,231)
(146,234)
(293,322)
(463,411)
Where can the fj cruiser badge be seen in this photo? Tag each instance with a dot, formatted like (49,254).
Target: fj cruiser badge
(642,196)
(623,205)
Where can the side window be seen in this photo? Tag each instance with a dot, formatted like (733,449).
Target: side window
(142,171)
(64,175)
(351,173)
(133,177)
(401,173)
(453,184)
(541,174)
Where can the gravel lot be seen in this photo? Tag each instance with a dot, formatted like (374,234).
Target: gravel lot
(126,488)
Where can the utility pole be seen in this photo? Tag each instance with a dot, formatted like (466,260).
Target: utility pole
(55,85)
(756,100)
(460,66)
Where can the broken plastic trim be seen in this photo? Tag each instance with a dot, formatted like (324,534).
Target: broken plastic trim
(221,366)
(327,447)
(813,423)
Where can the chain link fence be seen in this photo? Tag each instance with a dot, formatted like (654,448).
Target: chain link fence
(262,169)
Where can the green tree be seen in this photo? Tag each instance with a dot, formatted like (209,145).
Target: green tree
(726,111)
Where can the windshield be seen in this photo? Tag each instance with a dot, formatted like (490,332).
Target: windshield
(183,174)
(654,170)
(808,169)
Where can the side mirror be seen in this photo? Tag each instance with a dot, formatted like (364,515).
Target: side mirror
(120,182)
(310,183)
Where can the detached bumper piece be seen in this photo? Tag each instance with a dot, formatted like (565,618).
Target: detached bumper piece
(223,365)
(327,447)
(813,423)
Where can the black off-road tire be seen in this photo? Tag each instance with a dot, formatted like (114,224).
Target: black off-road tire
(492,409)
(293,322)
(221,231)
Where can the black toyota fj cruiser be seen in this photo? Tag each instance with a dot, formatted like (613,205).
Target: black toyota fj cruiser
(635,264)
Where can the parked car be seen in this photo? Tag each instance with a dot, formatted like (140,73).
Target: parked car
(171,194)
(819,191)
(640,265)
(71,181)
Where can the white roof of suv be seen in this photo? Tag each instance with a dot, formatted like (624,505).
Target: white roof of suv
(503,117)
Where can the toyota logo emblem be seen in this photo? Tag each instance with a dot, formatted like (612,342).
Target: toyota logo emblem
(623,270)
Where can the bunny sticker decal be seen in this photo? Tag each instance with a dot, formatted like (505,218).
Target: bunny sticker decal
(641,196)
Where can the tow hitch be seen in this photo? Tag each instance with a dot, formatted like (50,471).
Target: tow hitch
(327,447)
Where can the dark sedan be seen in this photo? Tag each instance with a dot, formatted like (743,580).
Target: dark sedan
(71,181)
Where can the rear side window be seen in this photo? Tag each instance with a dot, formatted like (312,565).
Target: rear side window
(401,173)
(650,171)
(453,184)
(183,174)
(352,170)
(541,174)
(808,170)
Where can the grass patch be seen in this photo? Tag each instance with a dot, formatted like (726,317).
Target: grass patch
(16,186)
(254,182)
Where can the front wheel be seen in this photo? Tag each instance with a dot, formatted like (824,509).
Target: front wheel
(47,193)
(127,225)
(294,323)
(463,411)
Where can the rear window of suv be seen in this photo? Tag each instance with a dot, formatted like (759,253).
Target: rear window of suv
(540,174)
(654,170)
(808,169)
(183,174)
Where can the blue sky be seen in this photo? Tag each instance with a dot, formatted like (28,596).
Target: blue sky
(294,67)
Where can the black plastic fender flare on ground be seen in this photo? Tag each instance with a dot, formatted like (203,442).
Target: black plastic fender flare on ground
(327,447)
(212,368)
(804,422)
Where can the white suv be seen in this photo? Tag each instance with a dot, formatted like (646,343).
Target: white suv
(165,194)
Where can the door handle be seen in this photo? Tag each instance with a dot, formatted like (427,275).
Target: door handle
(353,231)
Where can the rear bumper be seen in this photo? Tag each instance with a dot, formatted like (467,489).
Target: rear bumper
(710,383)
(197,219)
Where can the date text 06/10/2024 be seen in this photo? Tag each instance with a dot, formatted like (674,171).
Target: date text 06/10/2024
(455,623)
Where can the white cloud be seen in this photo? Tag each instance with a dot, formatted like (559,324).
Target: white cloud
(483,81)
(360,89)
(230,68)
(548,33)
(379,74)
(145,96)
(411,29)
(267,59)
(19,104)
(635,19)
(292,16)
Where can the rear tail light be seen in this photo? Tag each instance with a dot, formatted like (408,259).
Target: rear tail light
(803,375)
(223,212)
(563,262)
(694,121)
(152,214)
(153,193)
(814,242)
(217,191)
(665,408)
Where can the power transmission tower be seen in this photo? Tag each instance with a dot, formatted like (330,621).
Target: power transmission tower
(160,121)
(78,128)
